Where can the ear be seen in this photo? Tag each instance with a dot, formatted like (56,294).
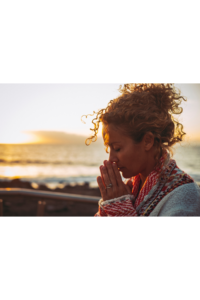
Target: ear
(148,140)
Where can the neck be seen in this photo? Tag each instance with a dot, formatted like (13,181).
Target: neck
(149,166)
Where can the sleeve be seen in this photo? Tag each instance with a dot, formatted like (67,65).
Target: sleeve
(117,207)
(183,201)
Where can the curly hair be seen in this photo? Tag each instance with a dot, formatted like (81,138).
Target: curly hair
(142,108)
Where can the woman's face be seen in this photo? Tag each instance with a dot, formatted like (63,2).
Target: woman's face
(131,158)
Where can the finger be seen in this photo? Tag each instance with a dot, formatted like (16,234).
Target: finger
(117,174)
(101,171)
(110,190)
(102,188)
(111,174)
(105,175)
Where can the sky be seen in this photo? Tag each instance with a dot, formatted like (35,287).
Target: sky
(51,113)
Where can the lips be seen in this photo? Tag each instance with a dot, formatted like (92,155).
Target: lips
(120,168)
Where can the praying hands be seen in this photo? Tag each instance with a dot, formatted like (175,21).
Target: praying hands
(110,182)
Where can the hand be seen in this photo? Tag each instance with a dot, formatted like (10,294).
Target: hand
(110,175)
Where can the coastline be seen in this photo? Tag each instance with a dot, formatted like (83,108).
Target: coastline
(80,189)
(27,206)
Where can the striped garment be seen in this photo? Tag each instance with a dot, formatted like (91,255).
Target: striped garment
(160,182)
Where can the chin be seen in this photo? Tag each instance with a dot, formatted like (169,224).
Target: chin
(126,174)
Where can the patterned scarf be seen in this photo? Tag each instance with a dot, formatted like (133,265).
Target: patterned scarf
(149,182)
(161,181)
(169,179)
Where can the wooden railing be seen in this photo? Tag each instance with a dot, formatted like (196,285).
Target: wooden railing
(42,198)
(1,207)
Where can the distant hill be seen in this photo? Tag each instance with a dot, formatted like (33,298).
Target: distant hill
(59,137)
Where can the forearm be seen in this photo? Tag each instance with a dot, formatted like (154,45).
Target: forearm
(117,207)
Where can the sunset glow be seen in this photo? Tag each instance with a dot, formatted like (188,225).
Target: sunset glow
(40,114)
(17,137)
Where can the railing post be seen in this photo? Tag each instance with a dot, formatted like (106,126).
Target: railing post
(41,208)
(1,207)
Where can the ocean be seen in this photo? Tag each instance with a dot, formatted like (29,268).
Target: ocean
(58,165)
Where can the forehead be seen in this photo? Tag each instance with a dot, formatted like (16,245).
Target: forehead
(113,134)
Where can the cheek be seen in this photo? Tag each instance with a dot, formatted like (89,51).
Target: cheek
(134,162)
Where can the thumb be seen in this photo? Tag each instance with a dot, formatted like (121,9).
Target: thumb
(128,188)
(129,183)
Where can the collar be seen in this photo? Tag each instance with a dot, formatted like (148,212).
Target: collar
(151,179)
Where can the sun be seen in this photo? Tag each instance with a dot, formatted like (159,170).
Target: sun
(17,137)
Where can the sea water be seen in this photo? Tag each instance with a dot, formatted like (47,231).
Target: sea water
(57,165)
(53,165)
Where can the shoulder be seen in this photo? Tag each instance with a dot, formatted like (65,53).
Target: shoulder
(182,201)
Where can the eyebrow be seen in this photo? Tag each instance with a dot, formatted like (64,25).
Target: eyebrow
(117,142)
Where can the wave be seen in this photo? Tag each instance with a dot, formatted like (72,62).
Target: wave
(42,162)
(55,180)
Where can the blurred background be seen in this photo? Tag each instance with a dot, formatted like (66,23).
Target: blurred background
(42,138)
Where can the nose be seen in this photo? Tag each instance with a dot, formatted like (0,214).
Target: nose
(113,156)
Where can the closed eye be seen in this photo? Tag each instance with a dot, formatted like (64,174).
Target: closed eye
(117,150)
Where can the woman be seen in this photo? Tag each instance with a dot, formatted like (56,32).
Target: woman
(139,129)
